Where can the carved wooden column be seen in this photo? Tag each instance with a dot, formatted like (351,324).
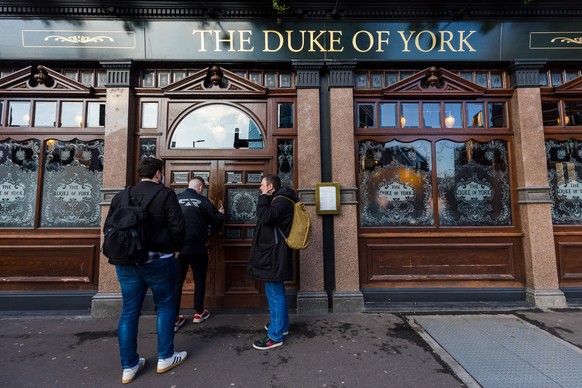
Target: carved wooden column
(117,170)
(311,297)
(533,188)
(347,296)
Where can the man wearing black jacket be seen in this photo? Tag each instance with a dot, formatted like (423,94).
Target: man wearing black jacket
(200,215)
(165,237)
(270,257)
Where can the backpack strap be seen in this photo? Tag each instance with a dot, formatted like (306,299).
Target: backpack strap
(125,196)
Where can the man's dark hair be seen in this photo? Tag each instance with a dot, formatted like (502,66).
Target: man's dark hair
(148,167)
(273,179)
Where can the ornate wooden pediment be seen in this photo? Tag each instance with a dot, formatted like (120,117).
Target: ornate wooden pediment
(435,83)
(40,81)
(214,80)
(571,88)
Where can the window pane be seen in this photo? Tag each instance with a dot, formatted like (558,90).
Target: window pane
(18,182)
(361,80)
(73,176)
(454,115)
(391,78)
(101,78)
(556,78)
(475,115)
(481,79)
(377,80)
(543,78)
(148,80)
(497,115)
(573,110)
(18,113)
(285,80)
(496,80)
(149,115)
(271,80)
(564,173)
(95,114)
(431,114)
(366,116)
(388,115)
(1,113)
(45,114)
(217,126)
(163,78)
(550,113)
(147,148)
(87,78)
(409,117)
(72,114)
(473,183)
(179,75)
(285,162)
(285,115)
(395,183)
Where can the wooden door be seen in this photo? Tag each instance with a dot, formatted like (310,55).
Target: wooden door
(236,184)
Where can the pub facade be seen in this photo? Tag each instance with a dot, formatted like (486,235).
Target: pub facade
(451,146)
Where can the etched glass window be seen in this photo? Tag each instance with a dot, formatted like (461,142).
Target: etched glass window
(565,176)
(395,183)
(473,183)
(73,177)
(285,162)
(18,182)
(242,205)
(217,126)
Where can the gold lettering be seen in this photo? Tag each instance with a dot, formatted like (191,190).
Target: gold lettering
(380,40)
(290,43)
(406,49)
(314,40)
(417,41)
(446,40)
(333,40)
(278,35)
(228,40)
(244,40)
(355,43)
(202,32)
(464,40)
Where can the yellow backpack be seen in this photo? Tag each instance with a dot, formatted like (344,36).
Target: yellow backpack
(300,227)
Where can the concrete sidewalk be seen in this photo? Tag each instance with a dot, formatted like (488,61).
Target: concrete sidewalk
(333,350)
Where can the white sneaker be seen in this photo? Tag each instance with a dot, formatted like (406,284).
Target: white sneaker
(129,373)
(165,364)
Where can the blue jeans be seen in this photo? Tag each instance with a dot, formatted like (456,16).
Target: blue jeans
(160,276)
(278,312)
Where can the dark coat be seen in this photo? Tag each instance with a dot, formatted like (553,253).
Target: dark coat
(200,215)
(270,257)
(165,221)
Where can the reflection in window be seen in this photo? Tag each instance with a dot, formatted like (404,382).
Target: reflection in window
(388,115)
(431,113)
(215,126)
(73,177)
(565,176)
(497,115)
(72,114)
(366,116)
(475,115)
(285,115)
(45,114)
(453,115)
(149,115)
(473,183)
(18,113)
(395,183)
(95,114)
(18,182)
(550,113)
(409,117)
(573,113)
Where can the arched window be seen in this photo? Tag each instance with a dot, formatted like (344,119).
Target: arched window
(217,126)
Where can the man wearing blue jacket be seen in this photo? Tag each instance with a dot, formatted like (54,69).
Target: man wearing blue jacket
(270,258)
(200,215)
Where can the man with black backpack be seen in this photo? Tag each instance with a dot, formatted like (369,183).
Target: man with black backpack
(163,228)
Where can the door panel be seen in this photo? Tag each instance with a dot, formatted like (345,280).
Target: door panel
(236,185)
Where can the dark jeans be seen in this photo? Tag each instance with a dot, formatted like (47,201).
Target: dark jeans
(197,258)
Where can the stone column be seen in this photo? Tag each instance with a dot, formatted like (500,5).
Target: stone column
(117,171)
(347,296)
(311,297)
(533,188)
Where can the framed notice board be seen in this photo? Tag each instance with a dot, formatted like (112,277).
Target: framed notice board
(327,198)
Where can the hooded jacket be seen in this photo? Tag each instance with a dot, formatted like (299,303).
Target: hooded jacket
(270,257)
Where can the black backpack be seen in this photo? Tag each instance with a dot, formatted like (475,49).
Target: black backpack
(124,234)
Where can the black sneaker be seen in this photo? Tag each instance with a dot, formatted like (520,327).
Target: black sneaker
(267,328)
(266,343)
